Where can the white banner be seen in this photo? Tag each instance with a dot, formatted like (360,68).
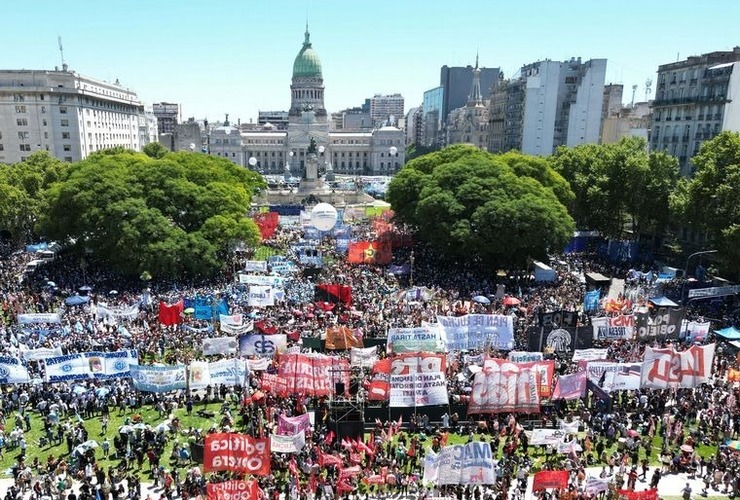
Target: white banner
(40,353)
(612,376)
(363,357)
(669,369)
(220,345)
(478,331)
(237,330)
(262,345)
(258,365)
(470,463)
(542,437)
(127,313)
(594,485)
(260,296)
(420,339)
(288,444)
(232,320)
(590,354)
(229,372)
(255,279)
(26,319)
(418,389)
(259,266)
(525,356)
(12,371)
(86,365)
(158,378)
(614,328)
(505,387)
(695,329)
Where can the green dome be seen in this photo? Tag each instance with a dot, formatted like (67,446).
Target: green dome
(307,63)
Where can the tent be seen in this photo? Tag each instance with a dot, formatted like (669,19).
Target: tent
(77,300)
(663,302)
(729,333)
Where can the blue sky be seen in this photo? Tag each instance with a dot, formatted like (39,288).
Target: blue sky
(236,56)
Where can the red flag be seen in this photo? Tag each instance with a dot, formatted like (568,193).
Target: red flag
(549,479)
(651,494)
(247,490)
(170,314)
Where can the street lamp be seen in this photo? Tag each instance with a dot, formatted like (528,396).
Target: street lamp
(686,272)
(393,152)
(252,161)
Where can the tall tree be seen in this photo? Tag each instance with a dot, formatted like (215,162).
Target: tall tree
(177,215)
(471,205)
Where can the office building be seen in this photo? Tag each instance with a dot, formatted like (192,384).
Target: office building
(695,100)
(168,116)
(386,109)
(456,82)
(432,117)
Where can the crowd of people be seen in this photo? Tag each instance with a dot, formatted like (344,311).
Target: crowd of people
(619,438)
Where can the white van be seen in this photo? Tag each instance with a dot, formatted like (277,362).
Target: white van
(33,265)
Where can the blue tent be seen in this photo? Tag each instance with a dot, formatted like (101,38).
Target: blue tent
(729,333)
(663,302)
(77,300)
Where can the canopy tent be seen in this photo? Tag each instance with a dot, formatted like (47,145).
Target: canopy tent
(662,302)
(77,300)
(729,333)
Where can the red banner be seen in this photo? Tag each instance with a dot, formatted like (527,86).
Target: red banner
(334,293)
(504,387)
(733,375)
(545,373)
(267,222)
(275,385)
(314,375)
(236,452)
(571,386)
(381,380)
(235,490)
(342,338)
(638,495)
(550,479)
(370,252)
(170,314)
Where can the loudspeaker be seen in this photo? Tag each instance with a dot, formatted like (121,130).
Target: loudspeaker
(339,389)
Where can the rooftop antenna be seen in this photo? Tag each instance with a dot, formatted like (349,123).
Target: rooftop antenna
(634,90)
(61,51)
(648,88)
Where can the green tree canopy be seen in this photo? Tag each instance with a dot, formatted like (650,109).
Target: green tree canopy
(501,209)
(618,183)
(21,188)
(709,201)
(177,215)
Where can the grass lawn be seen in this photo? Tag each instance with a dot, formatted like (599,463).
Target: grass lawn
(93,426)
(265,252)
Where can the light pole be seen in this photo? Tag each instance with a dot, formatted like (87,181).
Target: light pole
(686,272)
(411,270)
(252,162)
(393,152)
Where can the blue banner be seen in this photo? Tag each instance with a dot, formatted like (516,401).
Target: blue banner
(591,300)
(158,378)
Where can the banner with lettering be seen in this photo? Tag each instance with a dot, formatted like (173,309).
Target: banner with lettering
(546,437)
(420,339)
(478,331)
(220,345)
(380,381)
(257,279)
(550,479)
(31,318)
(504,387)
(571,386)
(231,320)
(40,353)
(614,327)
(262,345)
(258,266)
(557,319)
(695,330)
(671,369)
(245,327)
(370,252)
(470,463)
(229,372)
(12,371)
(236,453)
(590,354)
(235,490)
(314,374)
(663,322)
(559,339)
(342,338)
(595,485)
(615,376)
(525,356)
(418,380)
(289,426)
(88,365)
(260,296)
(273,384)
(287,443)
(545,372)
(651,494)
(591,300)
(148,378)
(126,313)
(363,357)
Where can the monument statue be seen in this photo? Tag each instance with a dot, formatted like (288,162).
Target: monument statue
(312,149)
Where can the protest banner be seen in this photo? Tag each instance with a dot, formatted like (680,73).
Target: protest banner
(615,376)
(370,252)
(260,296)
(90,365)
(419,339)
(231,320)
(595,485)
(228,372)
(262,345)
(256,279)
(288,426)
(470,463)
(12,371)
(244,328)
(40,353)
(31,318)
(158,378)
(525,356)
(235,490)
(620,327)
(342,338)
(545,372)
(559,339)
(171,314)
(314,374)
(671,369)
(550,479)
(259,364)
(288,443)
(651,494)
(505,387)
(478,331)
(545,437)
(590,354)
(380,381)
(661,322)
(571,386)
(363,357)
(256,266)
(236,453)
(557,319)
(695,330)
(220,345)
(273,384)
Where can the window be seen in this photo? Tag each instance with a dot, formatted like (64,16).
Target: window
(2,148)
(20,109)
(68,159)
(43,109)
(63,110)
(67,147)
(25,147)
(44,122)
(22,135)
(65,123)
(22,122)
(46,135)
(65,135)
